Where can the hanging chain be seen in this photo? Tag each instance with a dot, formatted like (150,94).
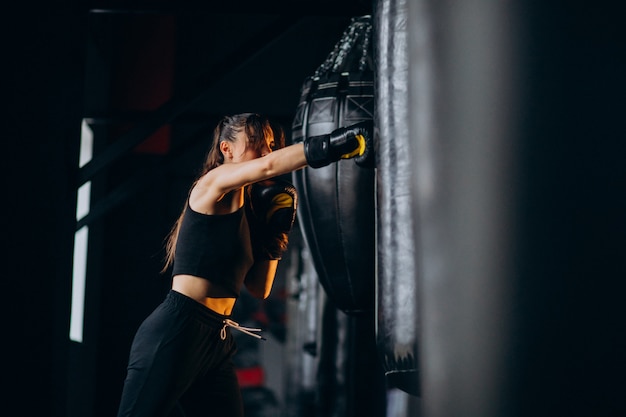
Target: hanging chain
(360,28)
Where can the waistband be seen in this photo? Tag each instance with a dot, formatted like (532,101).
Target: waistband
(181,302)
(184,303)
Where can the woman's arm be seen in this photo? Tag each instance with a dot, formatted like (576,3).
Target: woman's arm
(260,278)
(316,151)
(271,207)
(228,177)
(211,188)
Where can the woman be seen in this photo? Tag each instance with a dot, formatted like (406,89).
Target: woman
(181,355)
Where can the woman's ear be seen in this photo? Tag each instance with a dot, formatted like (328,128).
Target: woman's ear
(225,149)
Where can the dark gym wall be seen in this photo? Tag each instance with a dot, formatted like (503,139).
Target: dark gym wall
(42,84)
(569,331)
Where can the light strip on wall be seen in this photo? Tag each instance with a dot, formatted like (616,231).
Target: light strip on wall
(81,238)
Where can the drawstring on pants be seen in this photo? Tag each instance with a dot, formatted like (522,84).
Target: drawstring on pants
(236,326)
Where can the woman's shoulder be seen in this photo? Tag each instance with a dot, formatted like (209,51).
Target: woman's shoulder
(200,196)
(207,198)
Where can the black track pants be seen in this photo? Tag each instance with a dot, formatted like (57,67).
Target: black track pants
(178,361)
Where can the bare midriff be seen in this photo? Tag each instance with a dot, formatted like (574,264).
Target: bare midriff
(197,288)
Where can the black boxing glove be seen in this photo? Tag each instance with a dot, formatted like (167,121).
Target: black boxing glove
(353,141)
(271,211)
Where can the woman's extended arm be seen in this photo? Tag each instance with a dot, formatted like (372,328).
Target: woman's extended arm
(228,177)
(316,151)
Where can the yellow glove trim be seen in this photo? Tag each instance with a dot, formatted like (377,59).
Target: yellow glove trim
(279,201)
(360,150)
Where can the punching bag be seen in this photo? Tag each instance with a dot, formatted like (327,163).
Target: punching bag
(336,213)
(397,312)
(350,377)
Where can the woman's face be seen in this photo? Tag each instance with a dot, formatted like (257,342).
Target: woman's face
(242,151)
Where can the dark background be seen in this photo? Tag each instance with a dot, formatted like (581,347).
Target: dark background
(132,67)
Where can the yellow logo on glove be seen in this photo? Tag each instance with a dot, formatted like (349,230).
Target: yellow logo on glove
(360,150)
(279,201)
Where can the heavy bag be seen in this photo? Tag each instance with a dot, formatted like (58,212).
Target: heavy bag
(396,283)
(336,211)
(351,381)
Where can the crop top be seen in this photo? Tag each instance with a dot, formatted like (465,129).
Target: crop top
(214,247)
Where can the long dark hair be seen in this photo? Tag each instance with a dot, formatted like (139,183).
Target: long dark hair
(257,129)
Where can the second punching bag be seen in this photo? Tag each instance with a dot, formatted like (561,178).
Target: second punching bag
(397,312)
(336,214)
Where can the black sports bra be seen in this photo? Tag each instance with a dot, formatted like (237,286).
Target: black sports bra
(214,247)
